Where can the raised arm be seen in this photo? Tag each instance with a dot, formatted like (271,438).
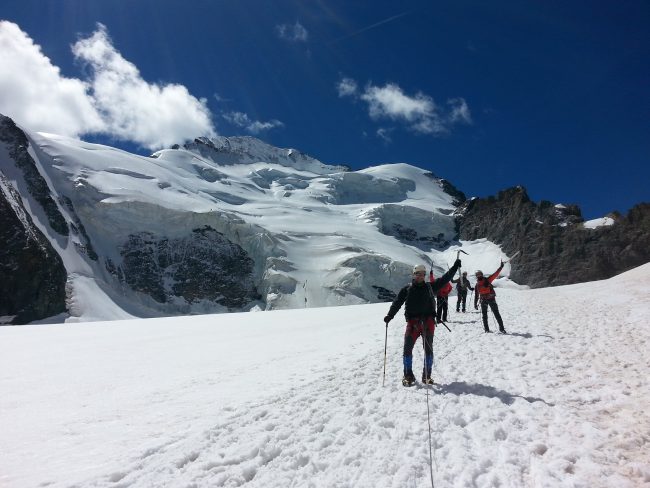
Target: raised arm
(445,278)
(493,276)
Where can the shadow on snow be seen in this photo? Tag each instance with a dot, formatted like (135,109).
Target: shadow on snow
(528,335)
(462,388)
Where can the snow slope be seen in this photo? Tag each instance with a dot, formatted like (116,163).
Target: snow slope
(294,398)
(595,223)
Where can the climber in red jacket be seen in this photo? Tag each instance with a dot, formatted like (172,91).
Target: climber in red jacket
(443,302)
(484,291)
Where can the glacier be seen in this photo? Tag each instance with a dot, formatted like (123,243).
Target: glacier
(231,224)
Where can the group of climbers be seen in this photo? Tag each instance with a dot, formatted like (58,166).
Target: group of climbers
(427,303)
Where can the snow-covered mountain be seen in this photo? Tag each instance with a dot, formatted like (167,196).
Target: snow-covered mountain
(223,224)
(90,232)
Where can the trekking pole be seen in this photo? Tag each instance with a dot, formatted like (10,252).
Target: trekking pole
(383,381)
(424,342)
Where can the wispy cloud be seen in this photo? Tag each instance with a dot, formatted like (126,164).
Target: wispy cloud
(418,112)
(242,120)
(293,33)
(372,26)
(221,99)
(384,133)
(113,100)
(347,87)
(459,111)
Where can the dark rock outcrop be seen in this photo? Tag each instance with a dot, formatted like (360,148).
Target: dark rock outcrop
(420,228)
(556,249)
(203,266)
(77,227)
(17,144)
(449,189)
(384,295)
(32,275)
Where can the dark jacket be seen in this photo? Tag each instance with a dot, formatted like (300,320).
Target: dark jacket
(462,284)
(420,297)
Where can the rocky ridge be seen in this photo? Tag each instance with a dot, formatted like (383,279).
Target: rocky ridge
(32,275)
(555,247)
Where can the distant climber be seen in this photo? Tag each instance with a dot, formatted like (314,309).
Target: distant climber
(420,312)
(443,302)
(462,284)
(484,291)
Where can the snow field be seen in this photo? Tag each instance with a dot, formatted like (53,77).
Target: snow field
(295,398)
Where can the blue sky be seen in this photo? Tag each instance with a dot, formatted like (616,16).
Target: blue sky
(551,95)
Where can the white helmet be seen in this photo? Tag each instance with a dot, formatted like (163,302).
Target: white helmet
(419,269)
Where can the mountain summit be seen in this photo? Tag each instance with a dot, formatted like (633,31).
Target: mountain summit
(246,150)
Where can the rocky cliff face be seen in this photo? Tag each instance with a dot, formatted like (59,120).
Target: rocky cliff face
(203,265)
(556,248)
(32,275)
(16,145)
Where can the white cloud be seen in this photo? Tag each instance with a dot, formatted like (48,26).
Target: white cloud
(347,87)
(419,112)
(293,33)
(114,100)
(150,114)
(241,119)
(35,94)
(391,102)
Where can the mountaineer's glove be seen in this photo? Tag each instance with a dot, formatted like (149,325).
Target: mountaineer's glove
(387,319)
(457,263)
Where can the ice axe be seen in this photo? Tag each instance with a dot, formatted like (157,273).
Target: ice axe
(460,275)
(512,257)
(458,255)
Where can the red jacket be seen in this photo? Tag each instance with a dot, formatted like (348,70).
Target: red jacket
(445,290)
(484,288)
